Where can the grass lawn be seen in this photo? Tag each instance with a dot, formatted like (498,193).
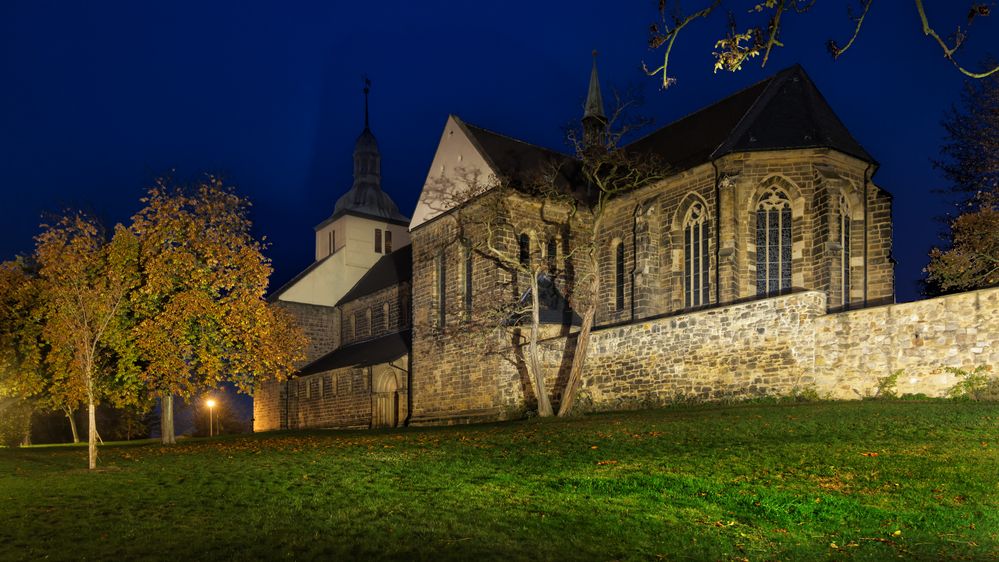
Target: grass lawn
(859,480)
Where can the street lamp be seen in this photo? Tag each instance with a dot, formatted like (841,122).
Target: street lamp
(211,416)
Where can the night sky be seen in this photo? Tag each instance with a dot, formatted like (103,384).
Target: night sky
(98,98)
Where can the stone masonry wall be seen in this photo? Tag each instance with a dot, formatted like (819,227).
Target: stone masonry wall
(853,349)
(339,398)
(751,349)
(321,326)
(770,347)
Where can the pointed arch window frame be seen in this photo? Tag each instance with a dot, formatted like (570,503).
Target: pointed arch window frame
(774,240)
(696,255)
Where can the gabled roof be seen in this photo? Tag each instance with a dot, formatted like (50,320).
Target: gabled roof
(389,270)
(273,297)
(362,354)
(784,111)
(510,157)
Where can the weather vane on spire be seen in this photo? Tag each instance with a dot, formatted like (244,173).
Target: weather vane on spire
(367,88)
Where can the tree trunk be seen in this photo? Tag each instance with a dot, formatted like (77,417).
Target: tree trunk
(166,420)
(91,434)
(72,424)
(544,404)
(582,338)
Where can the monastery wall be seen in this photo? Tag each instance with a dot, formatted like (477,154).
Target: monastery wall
(772,347)
(853,349)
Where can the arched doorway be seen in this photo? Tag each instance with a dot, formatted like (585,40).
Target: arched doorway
(384,397)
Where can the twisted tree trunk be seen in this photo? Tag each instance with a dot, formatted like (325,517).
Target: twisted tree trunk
(544,404)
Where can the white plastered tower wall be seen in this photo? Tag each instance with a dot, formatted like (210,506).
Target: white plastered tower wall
(332,275)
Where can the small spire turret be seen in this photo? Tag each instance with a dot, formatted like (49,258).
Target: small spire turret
(594,118)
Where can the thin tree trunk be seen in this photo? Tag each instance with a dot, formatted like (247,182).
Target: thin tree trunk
(582,339)
(72,424)
(544,404)
(92,433)
(166,420)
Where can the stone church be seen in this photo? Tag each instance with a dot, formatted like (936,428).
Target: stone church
(760,264)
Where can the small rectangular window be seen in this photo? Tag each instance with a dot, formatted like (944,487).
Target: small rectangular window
(619,277)
(468,282)
(332,240)
(441,291)
(378,240)
(388,242)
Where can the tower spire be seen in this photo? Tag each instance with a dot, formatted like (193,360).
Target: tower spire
(367,88)
(594,108)
(594,118)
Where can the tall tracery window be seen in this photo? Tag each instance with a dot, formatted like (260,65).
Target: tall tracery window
(844,243)
(619,276)
(773,243)
(695,256)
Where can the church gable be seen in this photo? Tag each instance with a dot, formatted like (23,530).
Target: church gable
(458,166)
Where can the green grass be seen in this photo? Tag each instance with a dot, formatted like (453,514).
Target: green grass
(758,482)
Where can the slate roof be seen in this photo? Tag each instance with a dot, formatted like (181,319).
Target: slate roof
(389,270)
(363,354)
(514,158)
(781,112)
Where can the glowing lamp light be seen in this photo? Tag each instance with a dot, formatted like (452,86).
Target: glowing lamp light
(211,416)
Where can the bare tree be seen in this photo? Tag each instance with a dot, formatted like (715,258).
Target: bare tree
(512,225)
(759,38)
(605,170)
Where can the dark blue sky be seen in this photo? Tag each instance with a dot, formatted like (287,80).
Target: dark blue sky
(98,98)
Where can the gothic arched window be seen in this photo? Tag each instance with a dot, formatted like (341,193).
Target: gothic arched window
(773,243)
(695,256)
(619,276)
(844,243)
(524,247)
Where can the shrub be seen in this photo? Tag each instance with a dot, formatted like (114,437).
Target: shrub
(976,384)
(15,421)
(888,386)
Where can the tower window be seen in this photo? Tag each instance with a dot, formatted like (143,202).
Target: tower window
(385,316)
(773,243)
(388,242)
(378,240)
(332,241)
(695,256)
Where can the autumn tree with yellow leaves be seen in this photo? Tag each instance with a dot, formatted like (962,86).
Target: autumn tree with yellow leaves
(85,278)
(201,317)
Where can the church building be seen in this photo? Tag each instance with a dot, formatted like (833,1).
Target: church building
(354,304)
(758,263)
